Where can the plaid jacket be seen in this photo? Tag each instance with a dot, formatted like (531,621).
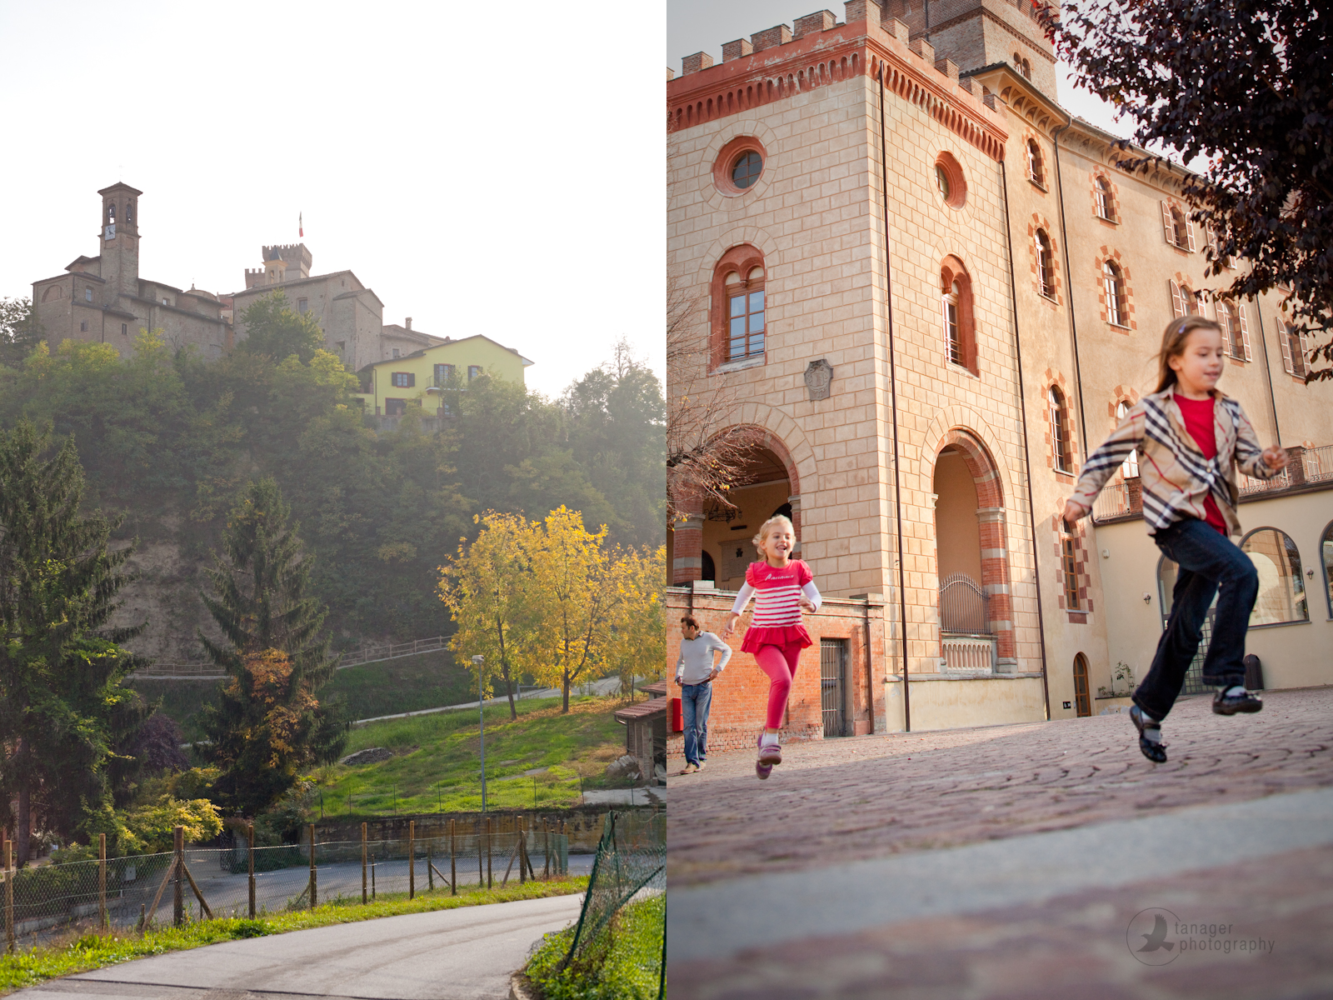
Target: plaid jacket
(1174,476)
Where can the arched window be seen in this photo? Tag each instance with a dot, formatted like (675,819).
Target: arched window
(1235,330)
(1105,205)
(1326,550)
(1117,310)
(1069,570)
(1281,586)
(739,308)
(111,213)
(1177,228)
(1130,468)
(1036,174)
(1184,300)
(1045,264)
(129,213)
(951,333)
(956,317)
(1292,342)
(1059,418)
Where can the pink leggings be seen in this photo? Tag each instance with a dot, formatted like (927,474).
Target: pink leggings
(779,662)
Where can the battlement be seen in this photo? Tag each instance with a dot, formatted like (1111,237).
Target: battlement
(778,63)
(906,20)
(295,255)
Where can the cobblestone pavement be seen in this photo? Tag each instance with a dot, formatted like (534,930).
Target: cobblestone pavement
(1271,924)
(864,797)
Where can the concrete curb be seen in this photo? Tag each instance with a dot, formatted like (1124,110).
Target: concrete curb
(520,988)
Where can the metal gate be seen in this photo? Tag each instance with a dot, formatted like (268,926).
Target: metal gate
(963,606)
(1166,578)
(833,685)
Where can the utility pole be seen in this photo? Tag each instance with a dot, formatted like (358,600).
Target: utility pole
(479,661)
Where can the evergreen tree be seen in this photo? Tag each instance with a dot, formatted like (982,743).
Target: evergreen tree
(63,711)
(267,724)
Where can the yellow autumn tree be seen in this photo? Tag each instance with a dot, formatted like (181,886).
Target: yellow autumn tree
(636,646)
(487,588)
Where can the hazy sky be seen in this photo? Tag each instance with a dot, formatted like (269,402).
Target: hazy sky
(492,170)
(703,25)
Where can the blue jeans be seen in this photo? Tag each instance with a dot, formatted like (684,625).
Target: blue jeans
(695,700)
(1207,561)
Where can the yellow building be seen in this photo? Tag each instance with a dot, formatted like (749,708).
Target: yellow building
(388,387)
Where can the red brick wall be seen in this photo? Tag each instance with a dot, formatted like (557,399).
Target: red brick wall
(740,695)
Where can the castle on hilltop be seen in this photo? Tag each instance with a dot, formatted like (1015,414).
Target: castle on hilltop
(923,291)
(105,300)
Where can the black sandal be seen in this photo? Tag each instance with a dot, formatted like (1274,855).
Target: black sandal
(1154,751)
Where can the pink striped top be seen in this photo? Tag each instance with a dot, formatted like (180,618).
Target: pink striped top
(777,598)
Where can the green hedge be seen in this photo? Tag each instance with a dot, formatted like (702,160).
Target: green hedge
(625,963)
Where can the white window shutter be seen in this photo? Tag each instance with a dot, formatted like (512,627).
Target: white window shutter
(1298,357)
(1177,301)
(1168,228)
(1284,339)
(1189,232)
(1225,327)
(1244,329)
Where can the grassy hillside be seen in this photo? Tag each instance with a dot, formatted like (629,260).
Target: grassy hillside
(533,762)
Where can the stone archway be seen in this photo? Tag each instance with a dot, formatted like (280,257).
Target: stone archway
(965,466)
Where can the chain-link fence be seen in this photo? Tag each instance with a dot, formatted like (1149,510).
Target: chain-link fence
(630,866)
(237,880)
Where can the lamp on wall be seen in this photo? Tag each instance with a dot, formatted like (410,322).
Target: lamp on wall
(1147,597)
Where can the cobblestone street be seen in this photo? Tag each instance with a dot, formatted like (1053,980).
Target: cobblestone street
(911,799)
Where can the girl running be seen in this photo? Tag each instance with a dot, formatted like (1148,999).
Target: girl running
(1190,438)
(781,587)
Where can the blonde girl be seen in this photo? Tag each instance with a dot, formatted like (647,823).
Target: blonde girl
(1190,439)
(781,587)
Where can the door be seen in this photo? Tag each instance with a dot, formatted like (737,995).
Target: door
(833,684)
(1082,701)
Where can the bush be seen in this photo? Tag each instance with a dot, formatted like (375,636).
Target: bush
(624,962)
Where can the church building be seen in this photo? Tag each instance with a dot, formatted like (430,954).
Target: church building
(925,292)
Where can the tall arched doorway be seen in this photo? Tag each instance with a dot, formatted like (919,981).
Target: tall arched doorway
(764,490)
(1082,697)
(972,563)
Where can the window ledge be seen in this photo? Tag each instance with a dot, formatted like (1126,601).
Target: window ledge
(740,364)
(1038,185)
(1049,298)
(962,369)
(1279,624)
(1118,326)
(1114,222)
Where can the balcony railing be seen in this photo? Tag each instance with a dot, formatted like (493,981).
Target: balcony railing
(1306,467)
(968,654)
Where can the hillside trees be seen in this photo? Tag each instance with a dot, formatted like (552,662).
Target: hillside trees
(268,723)
(20,330)
(63,712)
(1249,85)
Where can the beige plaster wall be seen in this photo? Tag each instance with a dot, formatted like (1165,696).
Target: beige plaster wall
(1293,655)
(954,702)
(957,540)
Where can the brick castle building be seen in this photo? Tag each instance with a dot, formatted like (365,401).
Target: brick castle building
(104,299)
(923,369)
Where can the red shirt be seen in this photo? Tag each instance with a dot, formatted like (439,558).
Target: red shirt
(1198,416)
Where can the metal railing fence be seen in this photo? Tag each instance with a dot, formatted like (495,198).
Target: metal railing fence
(191,883)
(630,863)
(964,606)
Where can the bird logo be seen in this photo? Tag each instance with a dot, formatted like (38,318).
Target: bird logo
(1146,936)
(1157,939)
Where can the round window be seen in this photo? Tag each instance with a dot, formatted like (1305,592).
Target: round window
(949,180)
(739,167)
(747,169)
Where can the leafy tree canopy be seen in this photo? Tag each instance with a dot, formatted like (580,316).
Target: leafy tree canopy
(20,330)
(1248,84)
(274,329)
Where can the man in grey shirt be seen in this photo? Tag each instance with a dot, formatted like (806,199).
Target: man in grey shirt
(695,671)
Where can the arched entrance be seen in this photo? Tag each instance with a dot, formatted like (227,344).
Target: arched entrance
(972,562)
(765,490)
(1082,698)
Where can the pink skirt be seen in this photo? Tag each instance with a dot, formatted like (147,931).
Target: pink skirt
(775,635)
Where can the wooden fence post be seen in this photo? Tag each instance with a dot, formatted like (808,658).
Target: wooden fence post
(9,896)
(481,877)
(490,878)
(314,879)
(363,863)
(250,855)
(522,857)
(411,859)
(101,880)
(430,867)
(178,887)
(546,847)
(453,861)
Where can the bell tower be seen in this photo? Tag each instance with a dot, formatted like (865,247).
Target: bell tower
(979,33)
(119,240)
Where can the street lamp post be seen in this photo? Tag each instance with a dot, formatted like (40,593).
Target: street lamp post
(478,661)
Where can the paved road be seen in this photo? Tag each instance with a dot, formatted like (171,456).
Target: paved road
(1012,861)
(462,954)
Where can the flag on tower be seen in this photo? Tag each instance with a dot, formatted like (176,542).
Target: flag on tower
(300,224)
